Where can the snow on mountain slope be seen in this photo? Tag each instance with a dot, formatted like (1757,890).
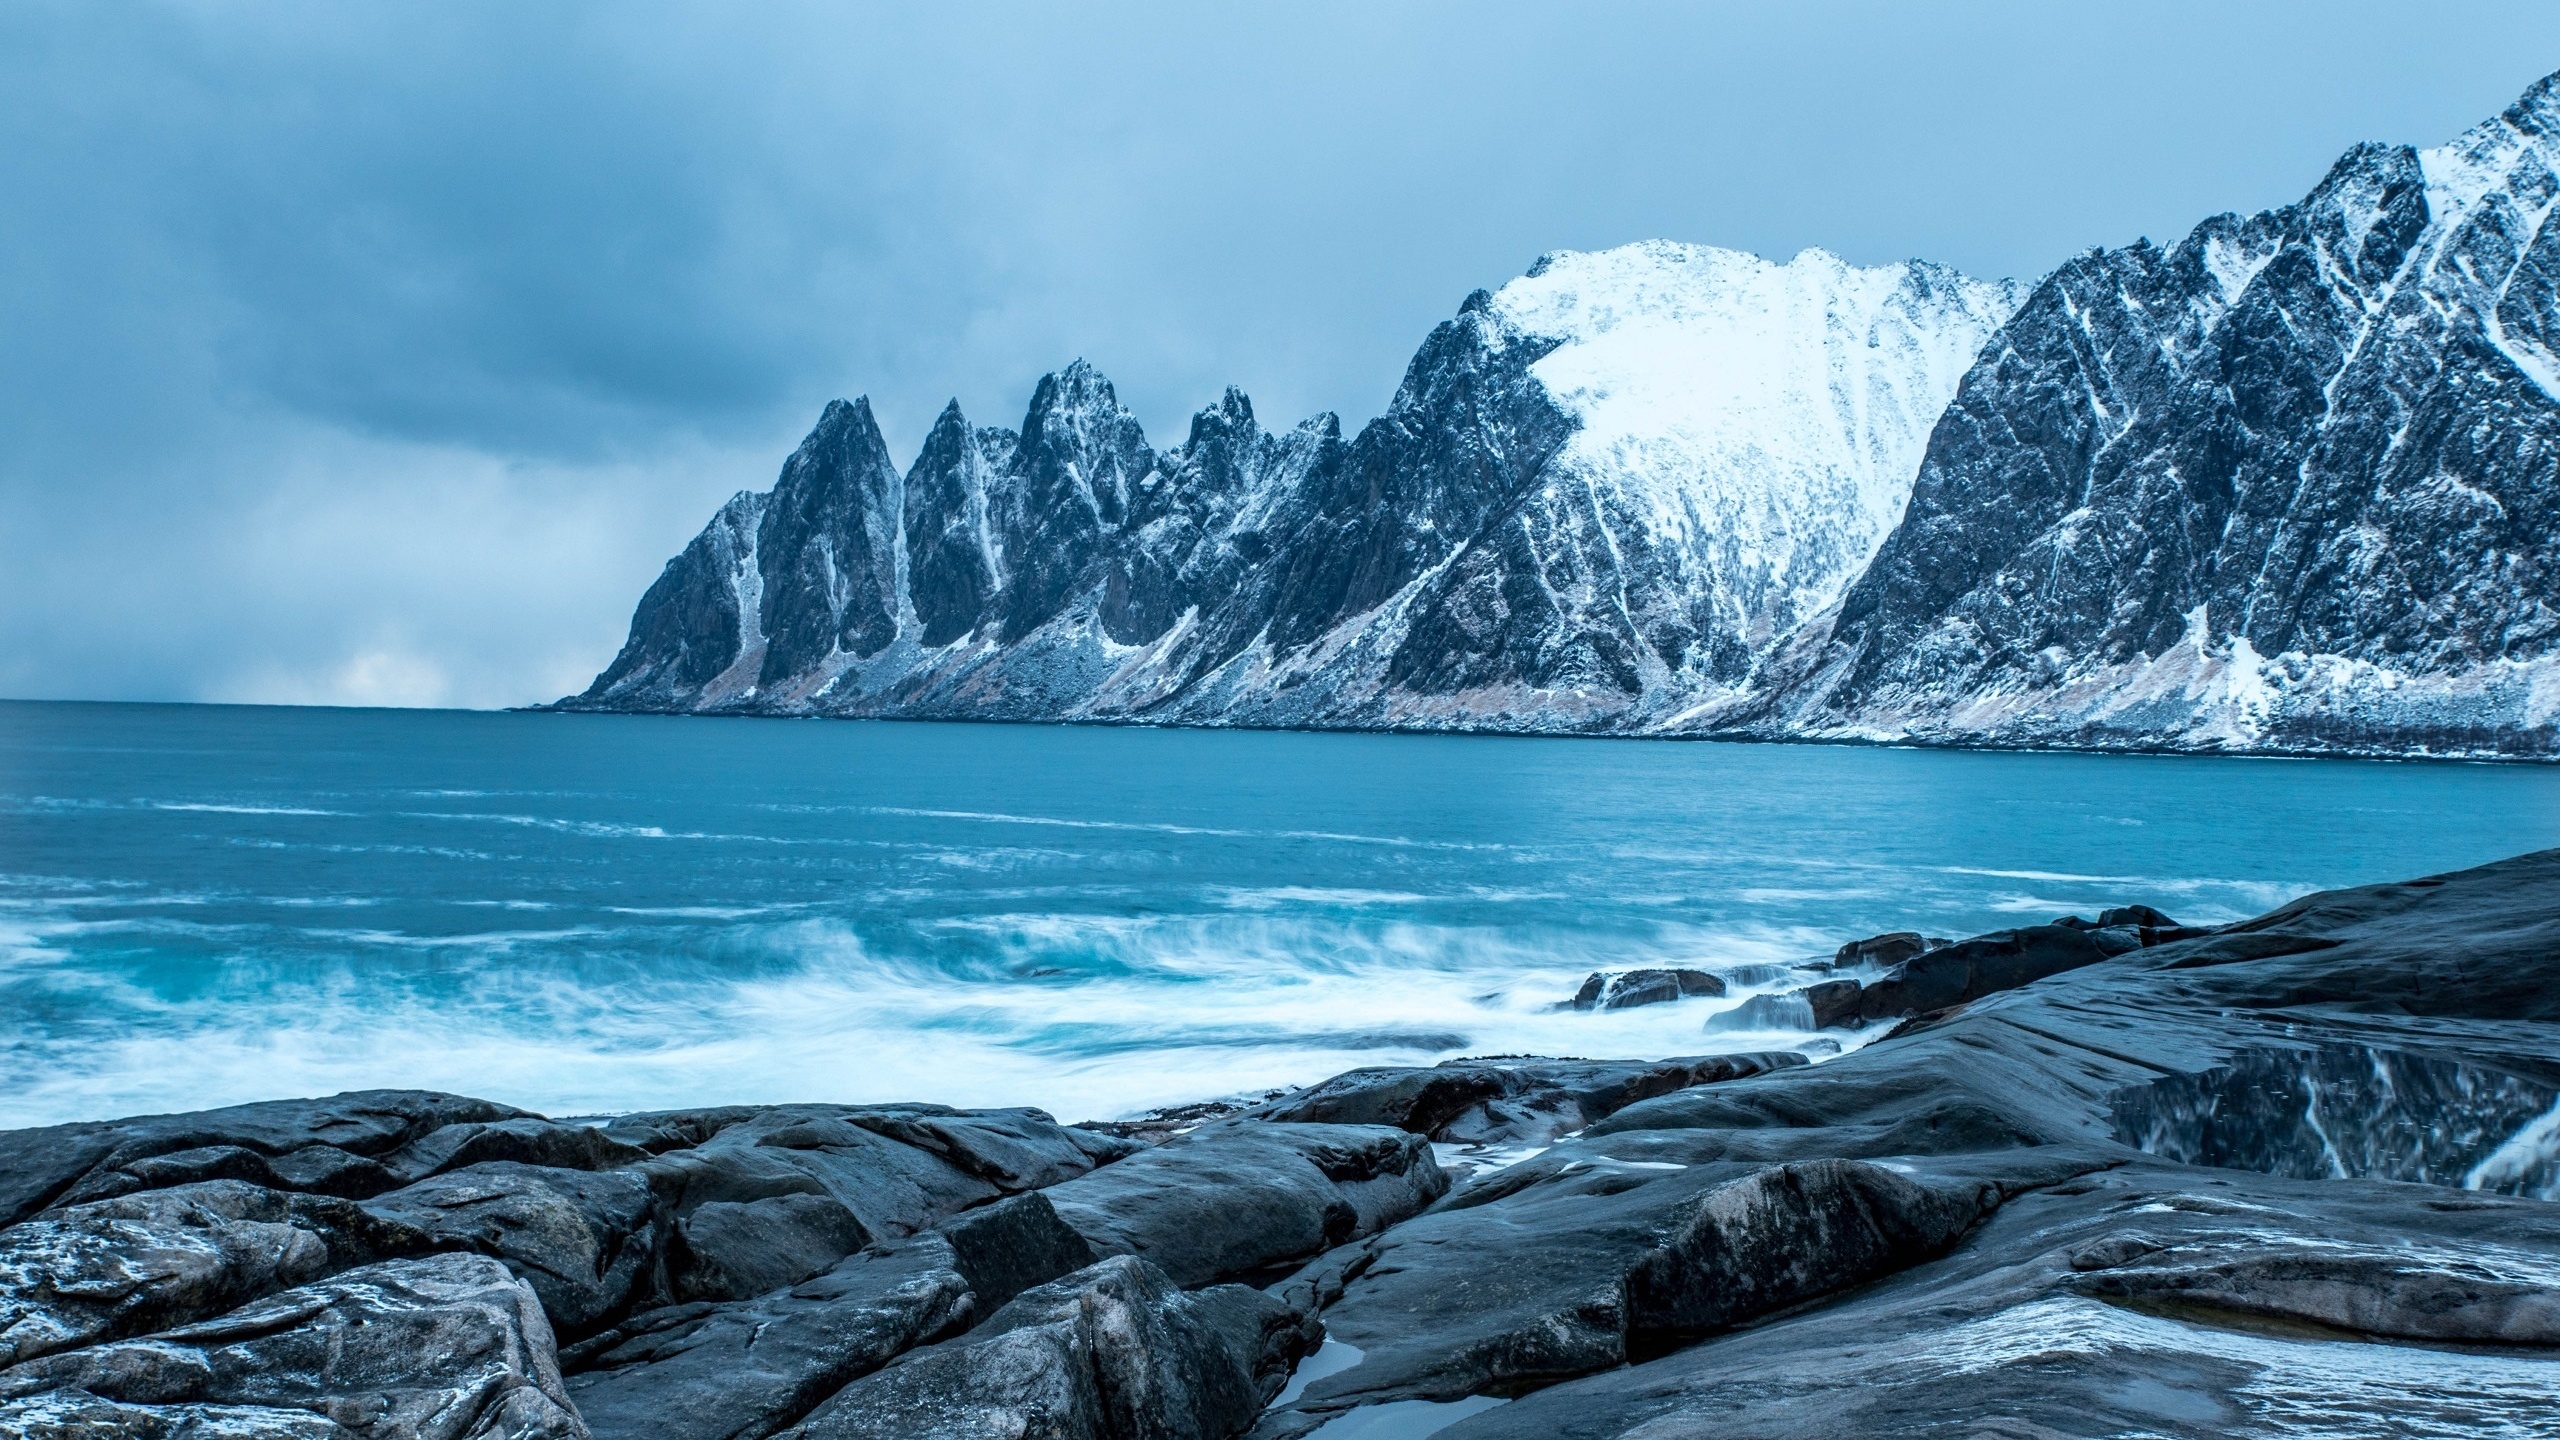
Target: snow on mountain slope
(2292,485)
(1600,493)
(1768,417)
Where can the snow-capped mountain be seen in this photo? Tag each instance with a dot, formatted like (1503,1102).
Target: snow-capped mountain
(1601,494)
(2293,484)
(2290,485)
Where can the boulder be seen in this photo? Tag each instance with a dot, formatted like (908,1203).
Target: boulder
(1787,1234)
(110,1269)
(1761,1014)
(1526,1101)
(523,1140)
(69,1164)
(2483,1298)
(744,1370)
(727,1250)
(448,1347)
(1883,951)
(589,1242)
(1618,991)
(1116,1351)
(892,1170)
(1243,1197)
(1956,974)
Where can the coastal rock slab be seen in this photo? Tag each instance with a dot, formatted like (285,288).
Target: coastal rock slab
(1525,1101)
(1788,1234)
(588,1241)
(1242,1197)
(319,1139)
(111,1269)
(895,1169)
(741,1371)
(449,1347)
(1114,1352)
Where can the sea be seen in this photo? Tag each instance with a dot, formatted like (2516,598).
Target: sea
(581,914)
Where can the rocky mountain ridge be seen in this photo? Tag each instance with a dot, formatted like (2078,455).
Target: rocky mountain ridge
(2291,486)
(1600,494)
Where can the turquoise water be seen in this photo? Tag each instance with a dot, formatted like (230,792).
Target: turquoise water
(201,905)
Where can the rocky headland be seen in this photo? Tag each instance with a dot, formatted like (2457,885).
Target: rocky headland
(2109,1176)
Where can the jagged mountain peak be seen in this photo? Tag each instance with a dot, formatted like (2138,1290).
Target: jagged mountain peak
(1503,531)
(2487,158)
(2294,482)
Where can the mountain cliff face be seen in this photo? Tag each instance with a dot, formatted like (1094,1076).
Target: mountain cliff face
(1599,496)
(2292,484)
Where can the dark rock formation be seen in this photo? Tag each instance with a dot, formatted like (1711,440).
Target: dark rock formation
(1239,1198)
(588,1242)
(316,1145)
(1476,1102)
(1618,990)
(449,1347)
(1883,950)
(1787,1234)
(1954,974)
(110,1269)
(745,1370)
(1117,1350)
(2110,1289)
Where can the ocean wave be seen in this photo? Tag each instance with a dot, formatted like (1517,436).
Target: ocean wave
(601,828)
(213,809)
(1271,896)
(998,817)
(1084,1015)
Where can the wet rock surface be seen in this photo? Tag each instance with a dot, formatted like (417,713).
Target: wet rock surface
(449,1347)
(1243,1197)
(2106,1176)
(1114,1350)
(326,1146)
(1473,1102)
(1622,989)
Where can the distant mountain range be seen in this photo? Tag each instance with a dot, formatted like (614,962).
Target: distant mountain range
(2289,486)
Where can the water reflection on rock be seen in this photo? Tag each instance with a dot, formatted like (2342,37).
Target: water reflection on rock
(2354,1112)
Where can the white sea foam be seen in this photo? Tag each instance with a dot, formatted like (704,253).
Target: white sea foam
(1083,1015)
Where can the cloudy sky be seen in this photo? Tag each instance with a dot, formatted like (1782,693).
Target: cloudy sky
(381,354)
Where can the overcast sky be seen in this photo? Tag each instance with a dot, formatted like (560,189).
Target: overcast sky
(381,354)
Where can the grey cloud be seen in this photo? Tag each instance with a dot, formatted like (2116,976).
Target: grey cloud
(385,352)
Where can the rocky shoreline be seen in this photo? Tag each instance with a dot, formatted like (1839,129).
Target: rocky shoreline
(2116,1176)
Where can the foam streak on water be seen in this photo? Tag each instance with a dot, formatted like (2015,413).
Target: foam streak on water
(206,905)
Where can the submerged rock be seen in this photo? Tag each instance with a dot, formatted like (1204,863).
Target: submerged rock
(1620,990)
